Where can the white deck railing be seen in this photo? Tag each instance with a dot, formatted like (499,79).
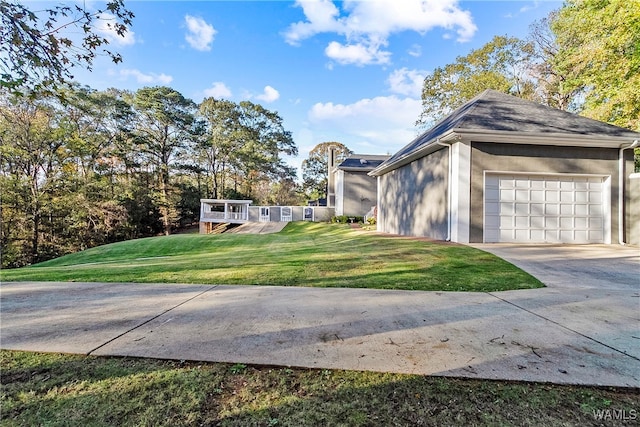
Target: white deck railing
(226,215)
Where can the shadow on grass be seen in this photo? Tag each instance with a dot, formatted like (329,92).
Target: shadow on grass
(65,390)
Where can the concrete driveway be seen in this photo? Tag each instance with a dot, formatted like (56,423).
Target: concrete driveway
(582,334)
(574,266)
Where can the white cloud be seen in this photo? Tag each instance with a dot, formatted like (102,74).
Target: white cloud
(104,25)
(384,124)
(218,90)
(415,51)
(407,82)
(150,78)
(358,54)
(322,17)
(367,25)
(269,94)
(200,34)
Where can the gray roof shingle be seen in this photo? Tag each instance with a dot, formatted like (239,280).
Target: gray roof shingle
(496,111)
(364,162)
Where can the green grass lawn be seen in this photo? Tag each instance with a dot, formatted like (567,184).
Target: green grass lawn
(303,254)
(67,390)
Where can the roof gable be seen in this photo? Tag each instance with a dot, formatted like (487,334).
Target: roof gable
(493,113)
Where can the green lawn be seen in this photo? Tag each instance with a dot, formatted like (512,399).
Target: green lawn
(303,254)
(67,390)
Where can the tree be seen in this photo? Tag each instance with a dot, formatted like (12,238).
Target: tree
(217,145)
(315,168)
(241,146)
(599,53)
(551,84)
(163,127)
(38,49)
(263,140)
(502,64)
(32,157)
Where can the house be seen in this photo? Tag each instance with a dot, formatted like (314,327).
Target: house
(355,191)
(503,169)
(214,212)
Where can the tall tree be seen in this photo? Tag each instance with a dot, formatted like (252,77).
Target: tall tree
(264,140)
(32,157)
(242,145)
(315,168)
(599,52)
(502,64)
(163,127)
(551,84)
(218,143)
(39,49)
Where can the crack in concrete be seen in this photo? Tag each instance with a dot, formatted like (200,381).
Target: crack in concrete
(563,326)
(151,319)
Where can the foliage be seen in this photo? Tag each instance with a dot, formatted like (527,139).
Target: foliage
(584,58)
(241,145)
(56,390)
(85,168)
(550,81)
(345,219)
(501,64)
(315,168)
(599,53)
(38,49)
(303,254)
(161,131)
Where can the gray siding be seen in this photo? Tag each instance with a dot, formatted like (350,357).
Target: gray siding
(540,159)
(633,211)
(359,193)
(320,213)
(413,199)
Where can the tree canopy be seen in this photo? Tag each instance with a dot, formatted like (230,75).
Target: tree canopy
(38,48)
(89,167)
(500,64)
(315,168)
(584,57)
(599,53)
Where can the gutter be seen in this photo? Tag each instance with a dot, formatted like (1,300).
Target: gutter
(634,144)
(450,179)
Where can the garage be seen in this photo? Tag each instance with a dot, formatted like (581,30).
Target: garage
(531,208)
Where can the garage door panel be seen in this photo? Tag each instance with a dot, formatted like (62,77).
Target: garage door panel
(506,222)
(539,208)
(566,196)
(566,222)
(537,222)
(566,209)
(551,209)
(582,210)
(581,223)
(506,209)
(595,210)
(595,196)
(596,236)
(552,196)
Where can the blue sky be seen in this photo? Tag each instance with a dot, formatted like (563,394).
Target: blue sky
(335,71)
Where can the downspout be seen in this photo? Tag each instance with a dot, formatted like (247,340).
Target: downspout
(449,199)
(634,144)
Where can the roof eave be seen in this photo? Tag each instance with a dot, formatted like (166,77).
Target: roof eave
(428,148)
(505,137)
(559,139)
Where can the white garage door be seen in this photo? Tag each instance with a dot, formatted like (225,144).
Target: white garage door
(544,209)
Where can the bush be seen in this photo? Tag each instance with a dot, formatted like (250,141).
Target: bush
(346,219)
